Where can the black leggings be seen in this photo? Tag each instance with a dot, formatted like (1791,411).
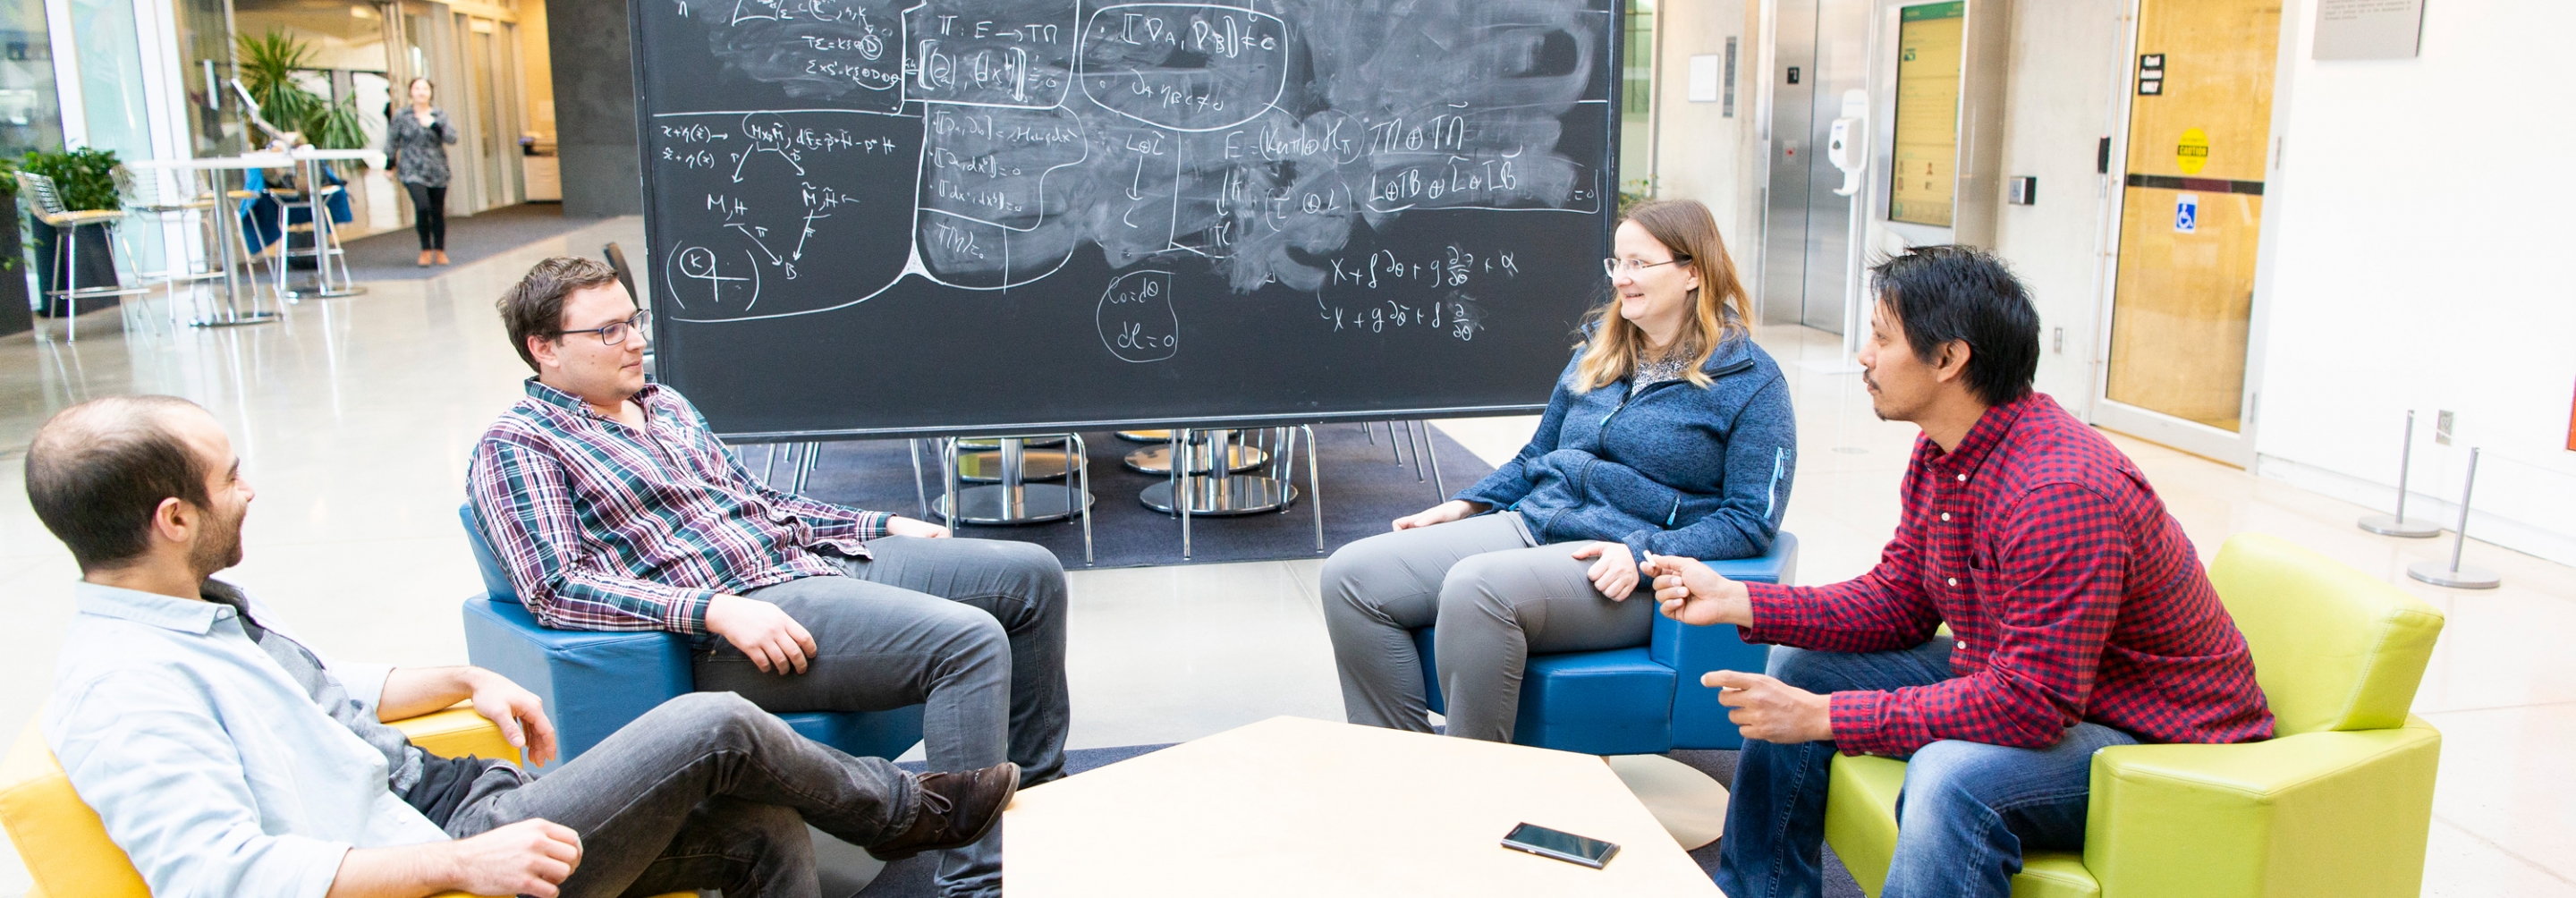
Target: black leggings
(429,215)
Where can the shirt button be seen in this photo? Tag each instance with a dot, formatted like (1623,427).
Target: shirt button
(1954,581)
(1963,478)
(1945,516)
(1963,645)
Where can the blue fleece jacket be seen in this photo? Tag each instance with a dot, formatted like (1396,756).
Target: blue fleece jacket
(1677,470)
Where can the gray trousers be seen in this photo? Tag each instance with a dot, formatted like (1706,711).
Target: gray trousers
(1497,597)
(705,792)
(972,629)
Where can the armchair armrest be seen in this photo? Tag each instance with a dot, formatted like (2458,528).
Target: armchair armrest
(2333,813)
(1698,720)
(457,731)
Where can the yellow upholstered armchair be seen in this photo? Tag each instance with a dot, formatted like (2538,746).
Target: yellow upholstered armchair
(2337,804)
(67,850)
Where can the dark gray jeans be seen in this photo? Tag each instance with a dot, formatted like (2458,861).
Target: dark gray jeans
(1498,598)
(971,628)
(705,792)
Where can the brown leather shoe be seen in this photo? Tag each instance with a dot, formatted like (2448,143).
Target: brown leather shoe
(955,810)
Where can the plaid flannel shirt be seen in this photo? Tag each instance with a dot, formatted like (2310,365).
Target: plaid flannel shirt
(2070,593)
(603,526)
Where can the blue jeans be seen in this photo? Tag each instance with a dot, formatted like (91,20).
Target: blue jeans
(1967,812)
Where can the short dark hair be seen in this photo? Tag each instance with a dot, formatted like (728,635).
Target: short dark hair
(534,307)
(98,471)
(1945,293)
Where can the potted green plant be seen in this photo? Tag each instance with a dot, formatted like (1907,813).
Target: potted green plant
(84,178)
(268,66)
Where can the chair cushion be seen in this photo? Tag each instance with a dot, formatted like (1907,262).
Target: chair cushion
(1860,822)
(458,731)
(1618,702)
(2334,648)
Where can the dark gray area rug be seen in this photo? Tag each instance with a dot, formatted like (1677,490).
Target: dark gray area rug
(911,878)
(394,255)
(1364,489)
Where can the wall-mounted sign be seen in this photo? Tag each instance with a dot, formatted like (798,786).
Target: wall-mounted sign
(2186,213)
(2151,74)
(2369,29)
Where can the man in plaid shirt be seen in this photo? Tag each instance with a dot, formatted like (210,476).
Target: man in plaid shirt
(612,506)
(2079,617)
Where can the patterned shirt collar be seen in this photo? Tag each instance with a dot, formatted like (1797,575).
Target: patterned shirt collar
(1982,437)
(542,392)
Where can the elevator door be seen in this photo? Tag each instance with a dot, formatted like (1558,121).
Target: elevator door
(1821,49)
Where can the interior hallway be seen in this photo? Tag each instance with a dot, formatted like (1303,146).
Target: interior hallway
(354,417)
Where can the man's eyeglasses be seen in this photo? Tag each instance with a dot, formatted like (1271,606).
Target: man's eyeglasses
(1613,267)
(615,332)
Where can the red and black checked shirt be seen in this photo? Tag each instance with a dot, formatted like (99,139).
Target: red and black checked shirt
(2071,594)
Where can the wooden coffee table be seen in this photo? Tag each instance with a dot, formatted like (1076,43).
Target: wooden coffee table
(1295,807)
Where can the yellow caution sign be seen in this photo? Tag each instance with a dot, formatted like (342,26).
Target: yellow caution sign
(2192,151)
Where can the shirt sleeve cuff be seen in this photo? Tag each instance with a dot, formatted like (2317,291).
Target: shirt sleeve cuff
(1855,719)
(872,524)
(689,614)
(1763,600)
(365,682)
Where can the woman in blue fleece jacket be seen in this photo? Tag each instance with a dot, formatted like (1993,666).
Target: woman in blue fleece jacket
(1670,433)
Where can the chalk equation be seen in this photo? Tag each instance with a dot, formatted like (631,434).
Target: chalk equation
(983,144)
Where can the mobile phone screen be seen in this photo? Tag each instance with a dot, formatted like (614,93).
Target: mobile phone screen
(1563,846)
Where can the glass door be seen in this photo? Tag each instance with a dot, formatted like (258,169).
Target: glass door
(2190,229)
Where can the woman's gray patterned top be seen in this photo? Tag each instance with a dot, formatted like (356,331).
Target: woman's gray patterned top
(420,154)
(1650,372)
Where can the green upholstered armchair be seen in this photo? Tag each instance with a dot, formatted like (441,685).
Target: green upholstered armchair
(2337,804)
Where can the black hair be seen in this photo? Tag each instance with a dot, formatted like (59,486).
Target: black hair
(1945,293)
(97,473)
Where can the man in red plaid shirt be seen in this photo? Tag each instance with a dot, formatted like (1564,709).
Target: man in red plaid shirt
(2079,617)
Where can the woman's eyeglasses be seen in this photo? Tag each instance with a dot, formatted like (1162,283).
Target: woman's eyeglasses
(615,332)
(1613,267)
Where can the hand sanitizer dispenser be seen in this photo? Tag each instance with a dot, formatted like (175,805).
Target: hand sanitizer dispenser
(1847,145)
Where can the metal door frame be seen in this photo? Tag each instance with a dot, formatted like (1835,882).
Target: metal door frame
(2192,436)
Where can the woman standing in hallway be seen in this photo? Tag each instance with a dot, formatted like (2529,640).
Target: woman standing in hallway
(1669,433)
(417,138)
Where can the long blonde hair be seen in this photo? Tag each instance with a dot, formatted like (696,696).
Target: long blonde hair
(1719,306)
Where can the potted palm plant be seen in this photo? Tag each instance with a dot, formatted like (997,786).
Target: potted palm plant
(84,179)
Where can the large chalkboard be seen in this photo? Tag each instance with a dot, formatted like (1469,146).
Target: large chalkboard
(976,216)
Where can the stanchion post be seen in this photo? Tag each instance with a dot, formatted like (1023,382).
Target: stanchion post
(2397,524)
(2457,576)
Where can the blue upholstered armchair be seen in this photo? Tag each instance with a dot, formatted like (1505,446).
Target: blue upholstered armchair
(595,682)
(1630,701)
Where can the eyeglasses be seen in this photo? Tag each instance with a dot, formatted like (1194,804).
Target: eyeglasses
(1613,267)
(614,332)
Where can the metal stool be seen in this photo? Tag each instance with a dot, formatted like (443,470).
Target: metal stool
(1041,459)
(326,239)
(151,197)
(1238,494)
(47,206)
(1010,500)
(1421,450)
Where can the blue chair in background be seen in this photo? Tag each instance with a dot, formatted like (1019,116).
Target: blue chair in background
(1636,701)
(594,682)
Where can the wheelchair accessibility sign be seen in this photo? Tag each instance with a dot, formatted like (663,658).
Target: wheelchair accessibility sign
(2187,213)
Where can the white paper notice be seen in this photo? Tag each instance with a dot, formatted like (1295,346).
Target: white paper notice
(1703,78)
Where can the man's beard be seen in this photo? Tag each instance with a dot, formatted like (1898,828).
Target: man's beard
(221,548)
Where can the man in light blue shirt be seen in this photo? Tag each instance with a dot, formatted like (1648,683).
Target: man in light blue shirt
(226,757)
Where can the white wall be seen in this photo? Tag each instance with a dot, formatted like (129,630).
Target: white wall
(1700,153)
(2420,264)
(2066,58)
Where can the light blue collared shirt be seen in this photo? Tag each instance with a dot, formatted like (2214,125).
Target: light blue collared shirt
(210,766)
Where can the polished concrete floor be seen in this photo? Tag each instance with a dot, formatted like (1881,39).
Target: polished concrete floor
(354,418)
